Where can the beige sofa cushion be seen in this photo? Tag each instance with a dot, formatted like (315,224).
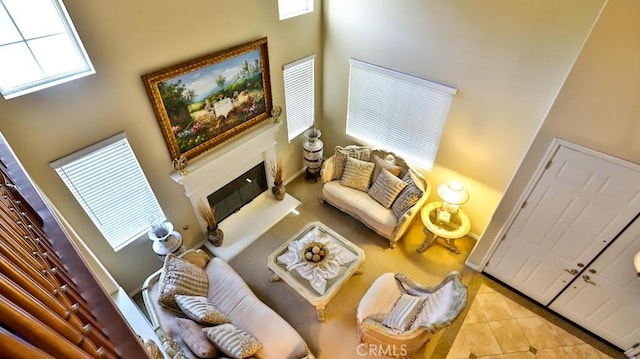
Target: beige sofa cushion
(360,205)
(200,310)
(357,174)
(342,153)
(233,341)
(193,336)
(180,277)
(385,164)
(232,296)
(197,257)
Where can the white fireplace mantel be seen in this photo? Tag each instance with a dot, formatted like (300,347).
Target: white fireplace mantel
(214,169)
(222,164)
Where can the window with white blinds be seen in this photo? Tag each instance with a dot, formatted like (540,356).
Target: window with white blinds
(107,180)
(299,95)
(396,111)
(39,47)
(291,8)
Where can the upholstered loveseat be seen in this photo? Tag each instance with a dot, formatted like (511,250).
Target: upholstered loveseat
(376,187)
(228,292)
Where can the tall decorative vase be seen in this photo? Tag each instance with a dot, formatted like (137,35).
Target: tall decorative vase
(313,149)
(169,241)
(215,236)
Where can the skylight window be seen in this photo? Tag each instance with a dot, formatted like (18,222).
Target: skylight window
(39,47)
(291,8)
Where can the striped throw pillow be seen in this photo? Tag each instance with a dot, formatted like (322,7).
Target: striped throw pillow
(386,188)
(199,308)
(193,336)
(180,277)
(342,153)
(385,164)
(404,312)
(233,341)
(357,174)
(409,196)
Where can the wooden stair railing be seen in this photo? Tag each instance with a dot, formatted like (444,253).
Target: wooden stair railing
(15,348)
(51,304)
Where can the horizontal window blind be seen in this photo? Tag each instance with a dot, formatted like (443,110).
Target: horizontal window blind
(299,95)
(108,182)
(396,111)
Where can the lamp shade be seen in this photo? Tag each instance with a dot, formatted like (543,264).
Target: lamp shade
(453,192)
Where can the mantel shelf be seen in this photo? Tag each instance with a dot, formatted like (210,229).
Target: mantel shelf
(250,222)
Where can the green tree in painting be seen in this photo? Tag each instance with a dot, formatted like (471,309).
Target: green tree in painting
(220,80)
(176,98)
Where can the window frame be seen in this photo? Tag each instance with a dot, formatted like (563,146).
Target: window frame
(76,181)
(284,13)
(45,80)
(391,90)
(299,95)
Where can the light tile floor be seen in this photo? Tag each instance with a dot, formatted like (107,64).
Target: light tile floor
(496,327)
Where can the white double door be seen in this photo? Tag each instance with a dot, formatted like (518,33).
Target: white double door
(607,301)
(578,206)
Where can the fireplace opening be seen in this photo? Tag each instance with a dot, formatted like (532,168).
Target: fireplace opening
(237,193)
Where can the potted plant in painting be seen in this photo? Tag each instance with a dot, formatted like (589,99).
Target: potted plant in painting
(278,189)
(215,235)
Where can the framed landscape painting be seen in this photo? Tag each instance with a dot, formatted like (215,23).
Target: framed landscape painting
(206,101)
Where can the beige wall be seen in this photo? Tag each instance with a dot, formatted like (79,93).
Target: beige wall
(507,58)
(598,107)
(126,39)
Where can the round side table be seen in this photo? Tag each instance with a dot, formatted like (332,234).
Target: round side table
(457,227)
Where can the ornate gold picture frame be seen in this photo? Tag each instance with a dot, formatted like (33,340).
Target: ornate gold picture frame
(206,101)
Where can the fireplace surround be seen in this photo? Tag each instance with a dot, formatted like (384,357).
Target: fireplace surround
(239,192)
(213,170)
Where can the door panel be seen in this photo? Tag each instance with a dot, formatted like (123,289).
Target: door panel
(609,308)
(579,241)
(578,206)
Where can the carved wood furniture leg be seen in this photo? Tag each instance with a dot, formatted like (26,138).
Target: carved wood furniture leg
(320,310)
(274,278)
(451,244)
(427,241)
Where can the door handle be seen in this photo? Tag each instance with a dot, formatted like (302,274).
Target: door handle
(587,279)
(572,271)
